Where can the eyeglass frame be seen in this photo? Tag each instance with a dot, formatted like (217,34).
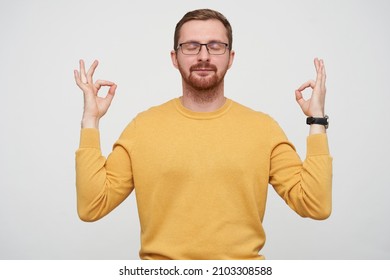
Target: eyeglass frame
(200,47)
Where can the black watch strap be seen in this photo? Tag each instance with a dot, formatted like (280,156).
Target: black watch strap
(323,121)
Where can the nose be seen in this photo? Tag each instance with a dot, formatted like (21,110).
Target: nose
(203,54)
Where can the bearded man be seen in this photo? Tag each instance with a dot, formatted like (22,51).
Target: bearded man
(200,164)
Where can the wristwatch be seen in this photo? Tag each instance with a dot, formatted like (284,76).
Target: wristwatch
(323,121)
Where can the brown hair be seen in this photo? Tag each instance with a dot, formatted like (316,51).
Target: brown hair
(203,14)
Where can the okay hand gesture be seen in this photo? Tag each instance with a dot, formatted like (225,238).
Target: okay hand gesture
(315,105)
(94,106)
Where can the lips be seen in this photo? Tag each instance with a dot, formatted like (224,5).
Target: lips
(203,72)
(203,69)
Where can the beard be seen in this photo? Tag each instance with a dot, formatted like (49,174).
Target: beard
(203,88)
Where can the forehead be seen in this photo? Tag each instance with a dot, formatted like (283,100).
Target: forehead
(203,31)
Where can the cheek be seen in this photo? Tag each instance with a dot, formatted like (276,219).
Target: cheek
(184,64)
(183,68)
(222,65)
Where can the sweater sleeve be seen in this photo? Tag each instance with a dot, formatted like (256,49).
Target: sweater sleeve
(305,186)
(102,184)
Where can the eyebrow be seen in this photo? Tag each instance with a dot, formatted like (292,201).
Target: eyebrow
(197,42)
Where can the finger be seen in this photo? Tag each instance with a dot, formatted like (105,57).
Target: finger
(307,84)
(298,95)
(317,64)
(77,78)
(99,83)
(111,94)
(320,74)
(323,77)
(91,71)
(111,91)
(299,98)
(83,75)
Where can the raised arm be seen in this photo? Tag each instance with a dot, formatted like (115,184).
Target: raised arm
(101,184)
(305,186)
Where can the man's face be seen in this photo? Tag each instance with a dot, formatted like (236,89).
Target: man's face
(202,71)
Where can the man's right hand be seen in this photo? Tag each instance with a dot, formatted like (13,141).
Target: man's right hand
(94,106)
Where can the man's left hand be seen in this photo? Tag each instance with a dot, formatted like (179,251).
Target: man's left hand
(315,105)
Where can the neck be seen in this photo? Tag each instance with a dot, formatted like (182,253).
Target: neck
(203,100)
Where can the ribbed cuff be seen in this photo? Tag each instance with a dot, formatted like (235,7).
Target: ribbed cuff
(89,138)
(317,144)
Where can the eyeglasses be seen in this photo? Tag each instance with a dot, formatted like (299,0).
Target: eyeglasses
(193,48)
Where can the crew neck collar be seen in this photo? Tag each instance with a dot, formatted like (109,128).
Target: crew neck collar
(203,115)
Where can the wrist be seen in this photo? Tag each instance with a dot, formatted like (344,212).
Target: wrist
(317,129)
(89,122)
(317,114)
(317,124)
(318,120)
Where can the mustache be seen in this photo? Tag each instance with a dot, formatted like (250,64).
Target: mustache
(203,65)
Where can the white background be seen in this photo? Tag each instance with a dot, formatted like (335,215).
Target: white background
(275,43)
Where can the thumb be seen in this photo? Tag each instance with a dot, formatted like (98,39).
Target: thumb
(299,98)
(111,93)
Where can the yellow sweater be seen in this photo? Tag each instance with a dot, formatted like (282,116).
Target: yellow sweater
(201,179)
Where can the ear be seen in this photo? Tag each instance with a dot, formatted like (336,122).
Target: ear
(174,59)
(231,58)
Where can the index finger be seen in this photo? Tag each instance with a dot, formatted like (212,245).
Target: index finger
(307,84)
